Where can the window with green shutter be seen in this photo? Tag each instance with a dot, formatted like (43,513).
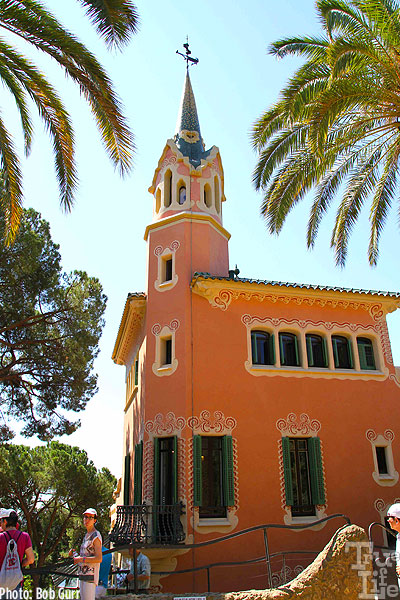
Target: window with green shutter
(366,353)
(303,473)
(342,353)
(316,350)
(165,471)
(316,472)
(288,348)
(137,474)
(262,348)
(127,478)
(213,475)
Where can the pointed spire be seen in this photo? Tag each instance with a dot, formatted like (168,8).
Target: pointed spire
(188,136)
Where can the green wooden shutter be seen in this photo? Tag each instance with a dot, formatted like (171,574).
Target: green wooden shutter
(254,358)
(351,361)
(287,471)
(361,355)
(335,353)
(325,352)
(175,471)
(296,349)
(281,353)
(197,483)
(127,478)
(272,348)
(138,470)
(316,472)
(229,480)
(156,484)
(310,356)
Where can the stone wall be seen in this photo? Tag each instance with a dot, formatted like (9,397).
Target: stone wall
(331,576)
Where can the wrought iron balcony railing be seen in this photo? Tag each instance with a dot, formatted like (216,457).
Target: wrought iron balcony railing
(148,524)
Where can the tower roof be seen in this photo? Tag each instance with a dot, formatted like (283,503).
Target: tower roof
(188,136)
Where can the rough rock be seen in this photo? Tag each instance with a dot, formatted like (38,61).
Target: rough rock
(342,571)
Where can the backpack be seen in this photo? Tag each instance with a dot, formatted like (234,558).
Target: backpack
(10,572)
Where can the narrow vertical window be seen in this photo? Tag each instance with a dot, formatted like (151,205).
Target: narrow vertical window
(166,269)
(136,371)
(366,353)
(213,475)
(342,352)
(288,349)
(127,478)
(262,348)
(165,488)
(166,351)
(167,188)
(207,196)
(381,460)
(182,195)
(316,351)
(304,480)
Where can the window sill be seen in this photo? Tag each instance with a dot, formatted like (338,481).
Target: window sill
(325,372)
(210,522)
(166,284)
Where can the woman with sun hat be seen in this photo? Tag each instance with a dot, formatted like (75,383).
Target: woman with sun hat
(89,557)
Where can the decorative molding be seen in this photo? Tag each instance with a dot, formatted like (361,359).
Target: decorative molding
(218,424)
(248,320)
(148,471)
(390,478)
(165,426)
(297,427)
(157,328)
(167,162)
(372,436)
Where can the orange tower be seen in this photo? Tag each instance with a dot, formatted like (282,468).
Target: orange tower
(248,402)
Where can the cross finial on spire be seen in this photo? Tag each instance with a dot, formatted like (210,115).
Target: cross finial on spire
(189,60)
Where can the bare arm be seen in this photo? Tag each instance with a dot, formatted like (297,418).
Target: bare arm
(29,557)
(90,560)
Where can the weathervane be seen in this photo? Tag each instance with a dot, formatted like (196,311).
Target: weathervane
(189,60)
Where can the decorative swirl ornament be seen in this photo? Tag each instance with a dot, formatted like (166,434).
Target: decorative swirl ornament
(298,426)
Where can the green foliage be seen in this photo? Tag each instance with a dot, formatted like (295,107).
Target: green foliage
(50,487)
(50,326)
(115,21)
(335,128)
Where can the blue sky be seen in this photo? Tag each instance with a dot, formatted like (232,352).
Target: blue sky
(234,82)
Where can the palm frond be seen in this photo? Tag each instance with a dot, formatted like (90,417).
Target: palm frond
(115,20)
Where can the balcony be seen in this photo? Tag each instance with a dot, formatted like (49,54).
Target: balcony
(148,525)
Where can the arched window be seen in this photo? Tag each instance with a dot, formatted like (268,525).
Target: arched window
(207,195)
(316,350)
(167,188)
(158,200)
(216,194)
(288,349)
(366,353)
(182,194)
(262,348)
(342,352)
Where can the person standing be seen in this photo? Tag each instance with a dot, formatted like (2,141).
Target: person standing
(143,572)
(393,515)
(89,557)
(8,524)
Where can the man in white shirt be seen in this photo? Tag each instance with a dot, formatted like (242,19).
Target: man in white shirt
(143,572)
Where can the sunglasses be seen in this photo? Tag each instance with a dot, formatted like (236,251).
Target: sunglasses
(88,517)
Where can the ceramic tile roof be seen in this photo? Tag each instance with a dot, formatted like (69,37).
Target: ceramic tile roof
(308,286)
